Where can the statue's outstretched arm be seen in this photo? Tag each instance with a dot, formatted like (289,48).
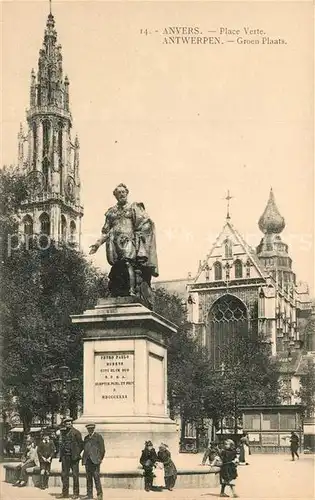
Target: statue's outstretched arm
(102,239)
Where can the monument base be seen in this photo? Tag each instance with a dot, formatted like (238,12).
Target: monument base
(125,436)
(125,376)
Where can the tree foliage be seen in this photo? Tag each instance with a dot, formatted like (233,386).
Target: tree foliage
(307,388)
(40,289)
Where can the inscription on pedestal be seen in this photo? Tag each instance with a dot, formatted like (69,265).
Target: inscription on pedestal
(114,377)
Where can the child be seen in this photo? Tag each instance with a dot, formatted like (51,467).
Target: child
(46,451)
(228,471)
(147,460)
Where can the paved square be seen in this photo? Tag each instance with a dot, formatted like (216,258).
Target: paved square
(271,477)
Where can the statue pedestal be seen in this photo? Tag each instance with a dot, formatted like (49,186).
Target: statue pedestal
(125,376)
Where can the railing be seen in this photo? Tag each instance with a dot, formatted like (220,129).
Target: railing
(48,110)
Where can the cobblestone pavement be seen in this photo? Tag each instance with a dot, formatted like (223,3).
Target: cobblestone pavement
(271,477)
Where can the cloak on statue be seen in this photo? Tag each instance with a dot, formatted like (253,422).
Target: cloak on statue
(131,237)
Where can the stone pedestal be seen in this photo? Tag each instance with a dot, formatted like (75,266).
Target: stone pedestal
(125,376)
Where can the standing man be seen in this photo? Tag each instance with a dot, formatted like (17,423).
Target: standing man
(294,440)
(93,454)
(70,453)
(46,452)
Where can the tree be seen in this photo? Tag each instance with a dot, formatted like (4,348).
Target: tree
(13,190)
(40,289)
(248,376)
(307,388)
(187,360)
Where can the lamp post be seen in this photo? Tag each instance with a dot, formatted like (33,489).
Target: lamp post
(64,386)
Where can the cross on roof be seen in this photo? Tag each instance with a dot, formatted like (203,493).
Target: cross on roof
(228,198)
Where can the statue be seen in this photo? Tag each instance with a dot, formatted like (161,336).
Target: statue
(129,234)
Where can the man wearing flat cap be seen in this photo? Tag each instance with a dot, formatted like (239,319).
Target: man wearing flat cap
(93,454)
(70,453)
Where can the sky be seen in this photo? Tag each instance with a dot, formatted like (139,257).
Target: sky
(180,124)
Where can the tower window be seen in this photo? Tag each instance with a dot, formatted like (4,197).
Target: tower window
(45,173)
(45,224)
(34,143)
(63,228)
(28,225)
(60,140)
(46,127)
(73,229)
(228,249)
(217,271)
(238,269)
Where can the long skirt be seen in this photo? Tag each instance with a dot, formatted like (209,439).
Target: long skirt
(158,480)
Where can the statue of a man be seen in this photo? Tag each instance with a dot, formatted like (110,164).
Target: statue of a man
(129,234)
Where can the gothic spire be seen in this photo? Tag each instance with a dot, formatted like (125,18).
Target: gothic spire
(50,88)
(271,221)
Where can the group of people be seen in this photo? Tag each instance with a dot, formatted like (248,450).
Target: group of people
(72,450)
(153,462)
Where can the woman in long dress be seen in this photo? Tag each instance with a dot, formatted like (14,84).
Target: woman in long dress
(170,471)
(244,449)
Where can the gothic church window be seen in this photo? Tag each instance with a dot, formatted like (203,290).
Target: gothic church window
(63,228)
(45,173)
(238,269)
(46,127)
(34,143)
(28,225)
(227,319)
(217,271)
(73,228)
(44,224)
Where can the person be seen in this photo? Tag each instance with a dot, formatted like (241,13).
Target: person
(170,471)
(209,454)
(30,459)
(93,454)
(9,446)
(46,452)
(244,449)
(129,234)
(71,446)
(228,470)
(294,446)
(147,460)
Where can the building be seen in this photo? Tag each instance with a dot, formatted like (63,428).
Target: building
(238,289)
(48,154)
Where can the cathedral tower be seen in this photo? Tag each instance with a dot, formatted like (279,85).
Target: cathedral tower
(47,153)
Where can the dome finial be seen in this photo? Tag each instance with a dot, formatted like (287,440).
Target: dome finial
(271,220)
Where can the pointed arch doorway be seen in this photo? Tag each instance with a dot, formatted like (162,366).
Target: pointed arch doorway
(227,318)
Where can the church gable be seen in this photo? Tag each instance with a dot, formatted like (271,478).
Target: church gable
(229,259)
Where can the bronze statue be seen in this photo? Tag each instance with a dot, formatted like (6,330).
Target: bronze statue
(129,234)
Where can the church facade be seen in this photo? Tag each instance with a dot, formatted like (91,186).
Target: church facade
(241,290)
(48,154)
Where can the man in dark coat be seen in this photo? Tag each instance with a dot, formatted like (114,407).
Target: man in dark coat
(294,440)
(70,453)
(94,452)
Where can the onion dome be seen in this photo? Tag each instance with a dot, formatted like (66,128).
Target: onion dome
(271,221)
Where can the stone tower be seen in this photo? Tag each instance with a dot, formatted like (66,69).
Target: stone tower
(47,153)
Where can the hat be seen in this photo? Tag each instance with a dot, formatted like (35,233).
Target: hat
(67,419)
(90,425)
(148,443)
(163,445)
